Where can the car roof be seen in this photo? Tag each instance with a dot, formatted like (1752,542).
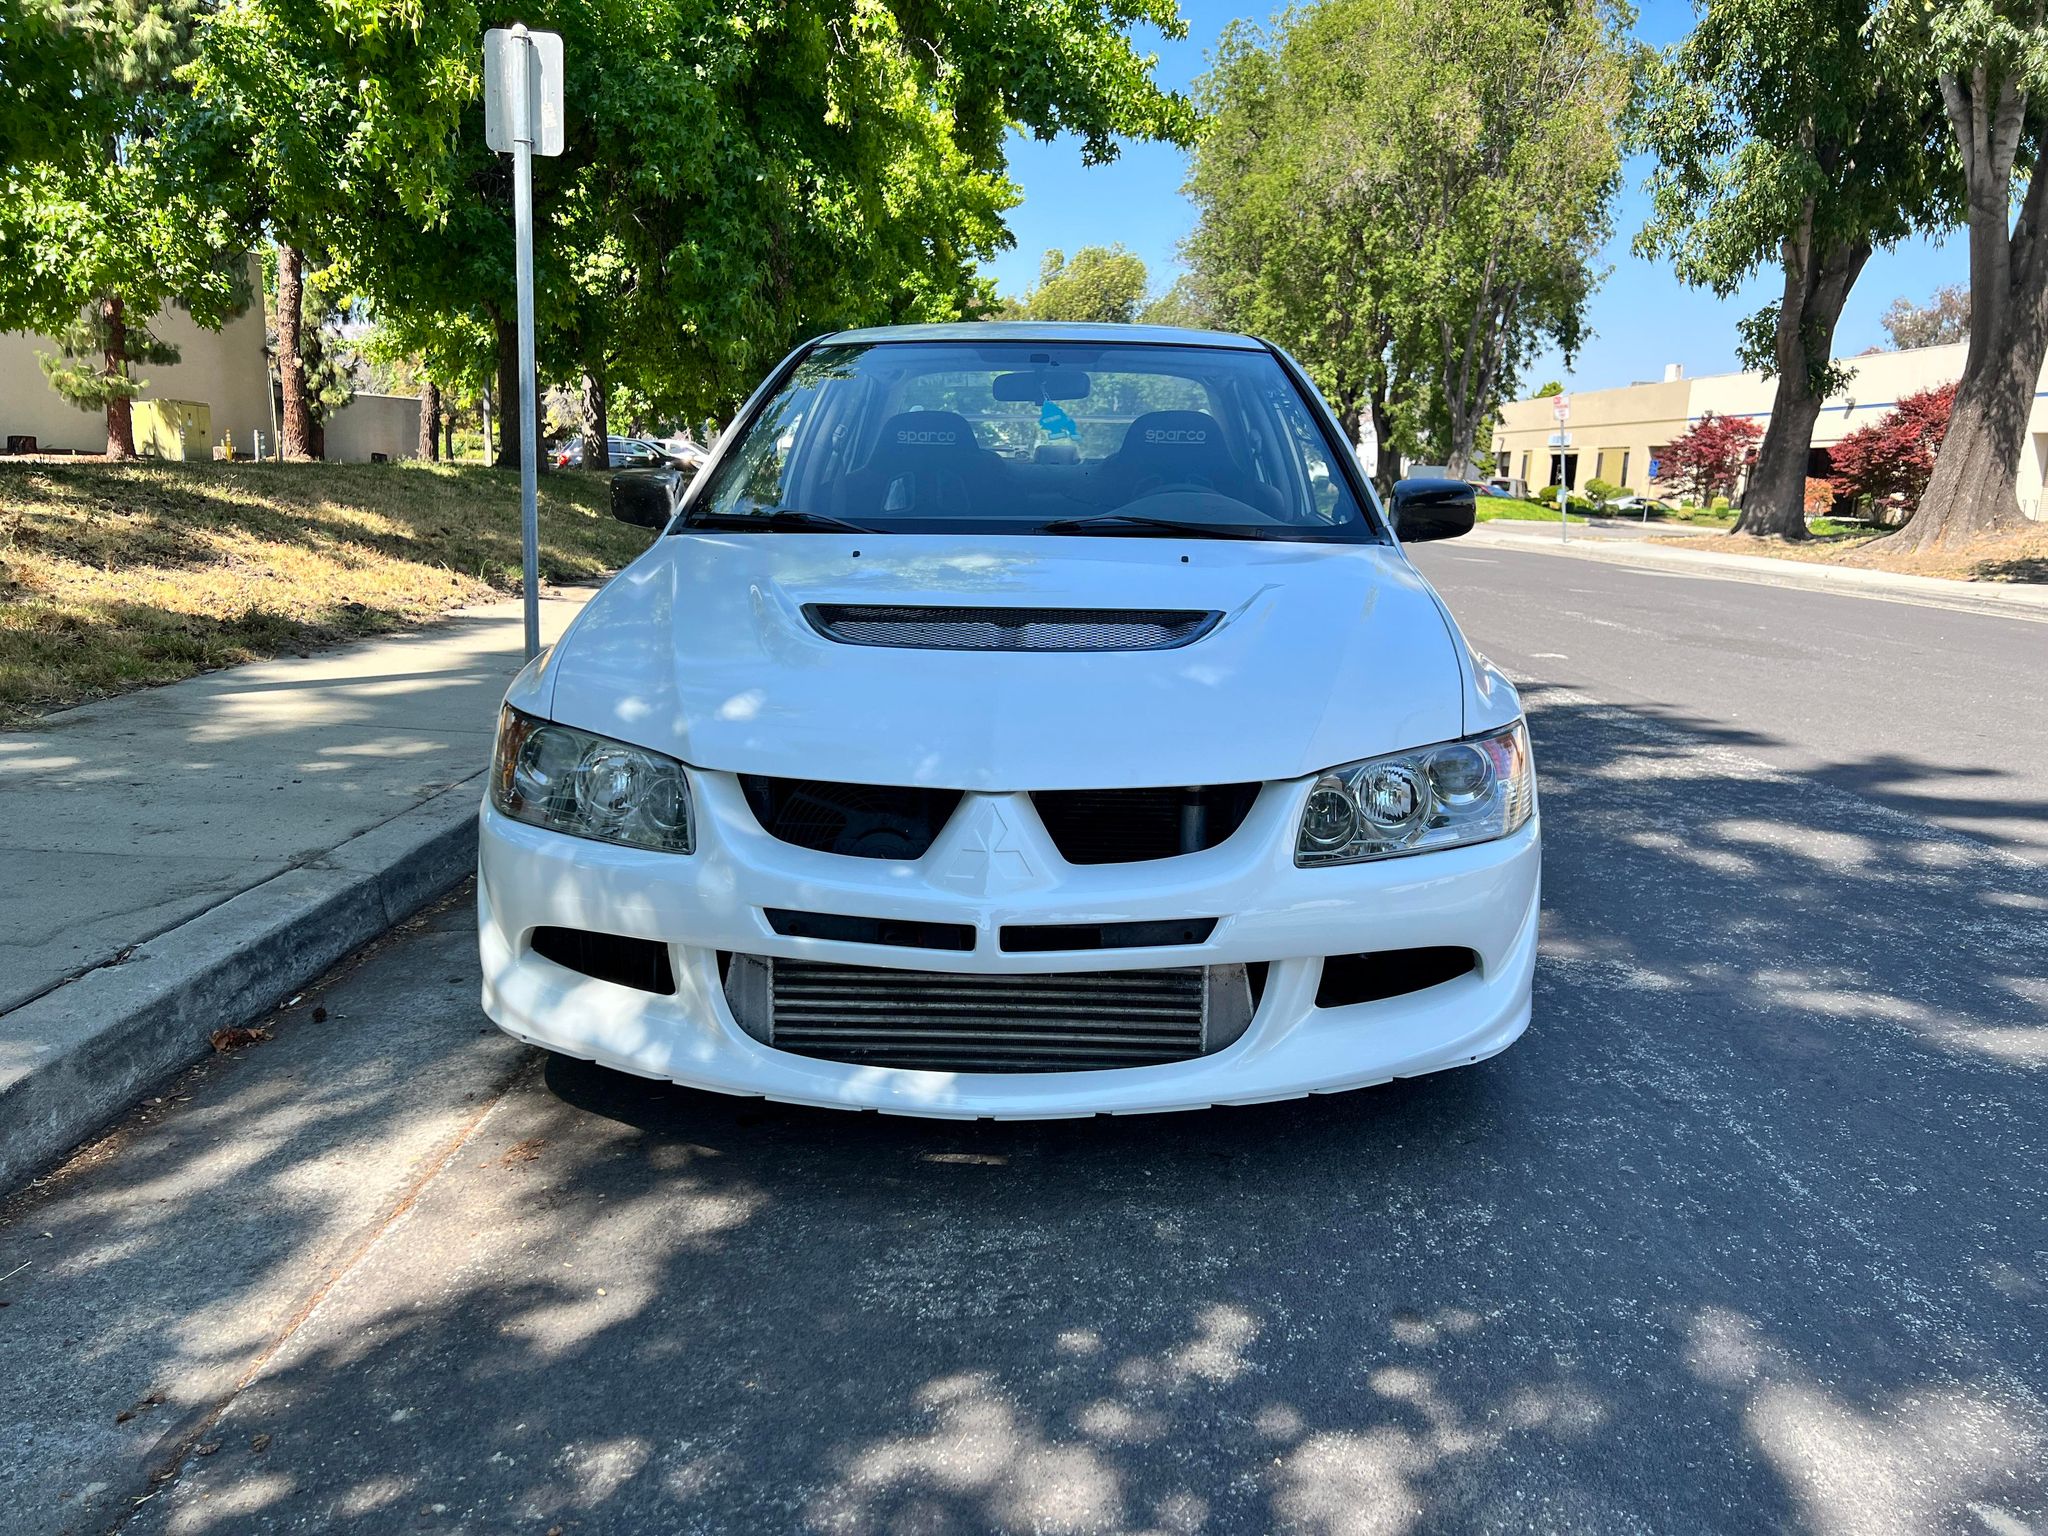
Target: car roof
(1051,331)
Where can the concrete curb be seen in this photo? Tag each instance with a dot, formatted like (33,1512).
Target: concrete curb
(2005,601)
(75,1057)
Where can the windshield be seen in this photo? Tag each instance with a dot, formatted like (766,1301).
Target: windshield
(1035,437)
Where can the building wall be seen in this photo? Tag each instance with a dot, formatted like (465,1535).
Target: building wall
(1642,417)
(224,370)
(374,424)
(1606,426)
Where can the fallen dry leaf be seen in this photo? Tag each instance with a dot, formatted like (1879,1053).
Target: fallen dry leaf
(206,1449)
(234,1039)
(258,1444)
(522,1151)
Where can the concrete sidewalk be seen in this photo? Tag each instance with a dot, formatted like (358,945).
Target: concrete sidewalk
(179,858)
(2014,600)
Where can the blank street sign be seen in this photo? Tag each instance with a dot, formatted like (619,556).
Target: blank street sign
(543,91)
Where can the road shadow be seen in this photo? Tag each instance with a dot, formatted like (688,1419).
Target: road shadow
(1746,1235)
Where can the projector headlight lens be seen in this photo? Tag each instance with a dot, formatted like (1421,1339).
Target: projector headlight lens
(587,785)
(1444,796)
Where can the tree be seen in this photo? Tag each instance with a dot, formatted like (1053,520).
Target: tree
(1891,460)
(1102,283)
(1783,137)
(1942,320)
(1185,304)
(732,180)
(1989,61)
(1550,391)
(130,202)
(1409,195)
(1708,459)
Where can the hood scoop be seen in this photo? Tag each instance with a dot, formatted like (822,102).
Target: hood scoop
(925,628)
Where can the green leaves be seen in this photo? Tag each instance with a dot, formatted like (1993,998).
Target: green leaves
(1408,195)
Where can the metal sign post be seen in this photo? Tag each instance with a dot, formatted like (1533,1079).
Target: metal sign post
(523,117)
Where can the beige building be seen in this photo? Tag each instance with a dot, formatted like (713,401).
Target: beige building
(219,388)
(223,370)
(1620,435)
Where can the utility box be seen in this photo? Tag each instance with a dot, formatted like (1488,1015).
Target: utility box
(172,429)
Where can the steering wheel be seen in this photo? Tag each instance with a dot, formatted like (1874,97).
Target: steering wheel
(1159,486)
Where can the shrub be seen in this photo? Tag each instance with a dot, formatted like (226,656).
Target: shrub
(1604,491)
(1707,460)
(1548,495)
(1721,504)
(1820,497)
(1891,460)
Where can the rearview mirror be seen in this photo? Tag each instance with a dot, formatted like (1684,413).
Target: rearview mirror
(1038,384)
(1433,509)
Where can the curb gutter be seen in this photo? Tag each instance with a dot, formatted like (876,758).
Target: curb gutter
(75,1057)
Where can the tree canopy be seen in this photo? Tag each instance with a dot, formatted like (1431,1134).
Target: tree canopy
(736,176)
(1409,196)
(1942,320)
(1105,284)
(1784,139)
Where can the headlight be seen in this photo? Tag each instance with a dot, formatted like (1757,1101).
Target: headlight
(589,786)
(1468,791)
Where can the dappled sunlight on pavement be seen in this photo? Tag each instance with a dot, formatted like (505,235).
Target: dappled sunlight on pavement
(1720,1245)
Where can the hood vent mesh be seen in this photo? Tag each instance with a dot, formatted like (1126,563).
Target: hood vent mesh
(1011,629)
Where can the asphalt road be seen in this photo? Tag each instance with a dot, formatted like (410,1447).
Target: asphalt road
(1749,1234)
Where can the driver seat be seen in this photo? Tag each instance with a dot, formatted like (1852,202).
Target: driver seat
(1162,448)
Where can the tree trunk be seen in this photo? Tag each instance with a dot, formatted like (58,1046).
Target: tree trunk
(430,421)
(120,407)
(295,439)
(596,429)
(1974,488)
(509,424)
(1817,287)
(448,436)
(484,415)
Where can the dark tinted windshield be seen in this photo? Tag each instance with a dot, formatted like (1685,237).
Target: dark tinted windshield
(1028,437)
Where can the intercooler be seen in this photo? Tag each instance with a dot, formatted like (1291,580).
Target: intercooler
(954,1022)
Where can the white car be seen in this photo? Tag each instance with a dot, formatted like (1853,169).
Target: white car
(1019,721)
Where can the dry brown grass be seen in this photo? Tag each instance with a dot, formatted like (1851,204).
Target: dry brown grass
(118,576)
(2021,556)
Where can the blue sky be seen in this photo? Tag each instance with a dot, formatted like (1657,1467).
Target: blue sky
(1642,317)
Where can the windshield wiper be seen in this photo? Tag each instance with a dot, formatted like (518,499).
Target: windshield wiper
(781,520)
(1109,521)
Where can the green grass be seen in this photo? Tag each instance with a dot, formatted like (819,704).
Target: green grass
(119,576)
(1497,508)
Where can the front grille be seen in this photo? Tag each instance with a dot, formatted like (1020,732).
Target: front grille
(862,821)
(1029,938)
(901,932)
(1011,629)
(1127,826)
(938,1021)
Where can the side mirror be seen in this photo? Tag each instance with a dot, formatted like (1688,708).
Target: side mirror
(1433,509)
(646,498)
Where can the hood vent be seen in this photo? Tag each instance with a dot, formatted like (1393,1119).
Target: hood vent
(1011,629)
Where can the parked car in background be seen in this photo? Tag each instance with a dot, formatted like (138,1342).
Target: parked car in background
(1018,720)
(685,451)
(1509,485)
(623,453)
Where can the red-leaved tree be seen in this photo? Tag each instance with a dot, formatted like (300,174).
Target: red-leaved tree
(1892,459)
(1707,461)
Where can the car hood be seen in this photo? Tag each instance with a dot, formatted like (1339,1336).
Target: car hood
(701,649)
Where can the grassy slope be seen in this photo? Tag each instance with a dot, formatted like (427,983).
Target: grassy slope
(118,576)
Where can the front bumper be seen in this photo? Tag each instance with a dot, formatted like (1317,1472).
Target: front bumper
(993,866)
